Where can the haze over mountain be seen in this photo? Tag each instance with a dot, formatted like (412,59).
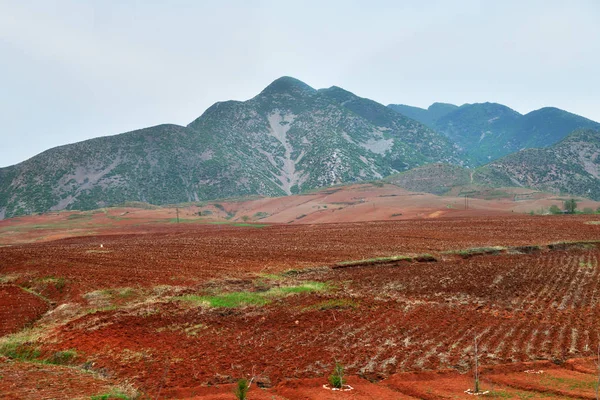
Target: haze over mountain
(487,131)
(287,139)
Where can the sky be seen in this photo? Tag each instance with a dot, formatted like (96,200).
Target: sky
(74,70)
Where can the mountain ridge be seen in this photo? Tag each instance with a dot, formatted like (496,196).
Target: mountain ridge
(288,138)
(488,131)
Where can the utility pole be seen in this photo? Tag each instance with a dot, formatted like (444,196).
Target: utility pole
(177,209)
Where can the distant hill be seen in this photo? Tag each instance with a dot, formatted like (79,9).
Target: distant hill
(432,178)
(287,139)
(487,131)
(570,166)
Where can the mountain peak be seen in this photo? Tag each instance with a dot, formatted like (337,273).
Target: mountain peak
(287,85)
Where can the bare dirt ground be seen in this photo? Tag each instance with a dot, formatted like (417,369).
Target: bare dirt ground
(354,203)
(139,304)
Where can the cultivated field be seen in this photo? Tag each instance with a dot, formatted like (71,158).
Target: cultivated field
(184,310)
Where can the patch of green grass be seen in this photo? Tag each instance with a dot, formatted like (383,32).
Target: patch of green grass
(100,309)
(570,383)
(19,351)
(111,396)
(272,277)
(79,216)
(58,282)
(21,345)
(227,300)
(477,251)
(303,288)
(239,299)
(375,260)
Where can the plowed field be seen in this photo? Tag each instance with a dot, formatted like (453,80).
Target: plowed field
(185,311)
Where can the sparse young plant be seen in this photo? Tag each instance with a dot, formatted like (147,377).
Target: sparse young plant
(336,379)
(476,367)
(241,390)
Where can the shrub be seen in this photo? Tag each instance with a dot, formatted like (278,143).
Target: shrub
(588,210)
(554,209)
(241,391)
(571,206)
(336,379)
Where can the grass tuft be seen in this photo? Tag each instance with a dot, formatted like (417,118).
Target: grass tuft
(239,299)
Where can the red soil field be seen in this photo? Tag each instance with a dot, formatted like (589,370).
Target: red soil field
(115,299)
(36,381)
(18,308)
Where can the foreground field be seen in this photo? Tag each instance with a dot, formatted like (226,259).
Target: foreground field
(183,311)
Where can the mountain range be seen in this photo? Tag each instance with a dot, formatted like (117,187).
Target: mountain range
(287,139)
(291,138)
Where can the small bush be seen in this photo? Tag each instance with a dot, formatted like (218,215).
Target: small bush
(336,379)
(241,391)
(554,209)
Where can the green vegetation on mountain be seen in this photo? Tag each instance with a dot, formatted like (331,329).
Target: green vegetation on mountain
(289,138)
(427,116)
(488,131)
(571,166)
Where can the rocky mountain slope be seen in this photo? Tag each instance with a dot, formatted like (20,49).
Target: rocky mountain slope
(571,166)
(287,139)
(488,131)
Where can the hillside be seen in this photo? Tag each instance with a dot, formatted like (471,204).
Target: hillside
(287,139)
(570,166)
(488,131)
(427,116)
(432,178)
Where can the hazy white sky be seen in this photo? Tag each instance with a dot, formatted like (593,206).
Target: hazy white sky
(73,70)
